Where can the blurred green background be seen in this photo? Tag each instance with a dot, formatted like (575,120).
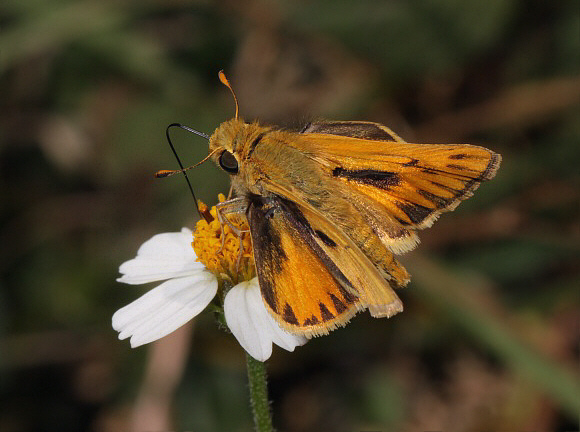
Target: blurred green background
(489,337)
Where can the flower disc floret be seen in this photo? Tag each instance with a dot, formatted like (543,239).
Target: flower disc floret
(221,257)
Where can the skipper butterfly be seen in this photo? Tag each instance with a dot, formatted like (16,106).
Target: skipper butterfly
(329,207)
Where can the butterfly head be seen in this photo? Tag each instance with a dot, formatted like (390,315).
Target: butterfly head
(233,142)
(226,144)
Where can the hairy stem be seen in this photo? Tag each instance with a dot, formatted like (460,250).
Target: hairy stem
(259,394)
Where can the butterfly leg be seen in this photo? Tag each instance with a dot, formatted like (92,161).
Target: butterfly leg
(232,206)
(230,193)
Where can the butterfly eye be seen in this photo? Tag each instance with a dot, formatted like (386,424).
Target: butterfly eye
(228,162)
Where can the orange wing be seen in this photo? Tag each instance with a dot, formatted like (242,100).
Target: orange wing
(410,183)
(302,287)
(312,277)
(372,280)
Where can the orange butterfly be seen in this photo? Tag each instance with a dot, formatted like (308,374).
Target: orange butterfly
(328,208)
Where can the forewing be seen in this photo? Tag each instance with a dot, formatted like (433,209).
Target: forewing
(304,290)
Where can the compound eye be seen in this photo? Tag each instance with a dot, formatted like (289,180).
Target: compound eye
(228,162)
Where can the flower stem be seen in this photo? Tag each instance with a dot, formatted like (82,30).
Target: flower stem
(259,394)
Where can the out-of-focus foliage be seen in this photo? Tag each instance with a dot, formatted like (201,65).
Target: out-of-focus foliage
(489,336)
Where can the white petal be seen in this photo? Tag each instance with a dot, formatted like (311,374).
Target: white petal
(163,256)
(251,323)
(165,308)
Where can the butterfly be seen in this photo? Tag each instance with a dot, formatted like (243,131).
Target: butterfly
(329,207)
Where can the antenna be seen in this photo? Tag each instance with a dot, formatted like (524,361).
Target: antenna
(168,173)
(224,80)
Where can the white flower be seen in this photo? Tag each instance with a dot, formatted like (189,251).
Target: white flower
(188,288)
(252,324)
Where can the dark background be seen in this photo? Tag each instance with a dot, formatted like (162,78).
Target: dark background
(489,337)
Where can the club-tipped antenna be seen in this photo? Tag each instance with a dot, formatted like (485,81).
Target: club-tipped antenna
(168,173)
(224,80)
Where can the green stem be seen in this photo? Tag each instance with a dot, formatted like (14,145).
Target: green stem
(259,394)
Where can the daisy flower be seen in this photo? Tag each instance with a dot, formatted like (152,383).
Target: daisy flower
(193,276)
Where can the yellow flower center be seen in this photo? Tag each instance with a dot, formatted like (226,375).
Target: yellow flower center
(220,255)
